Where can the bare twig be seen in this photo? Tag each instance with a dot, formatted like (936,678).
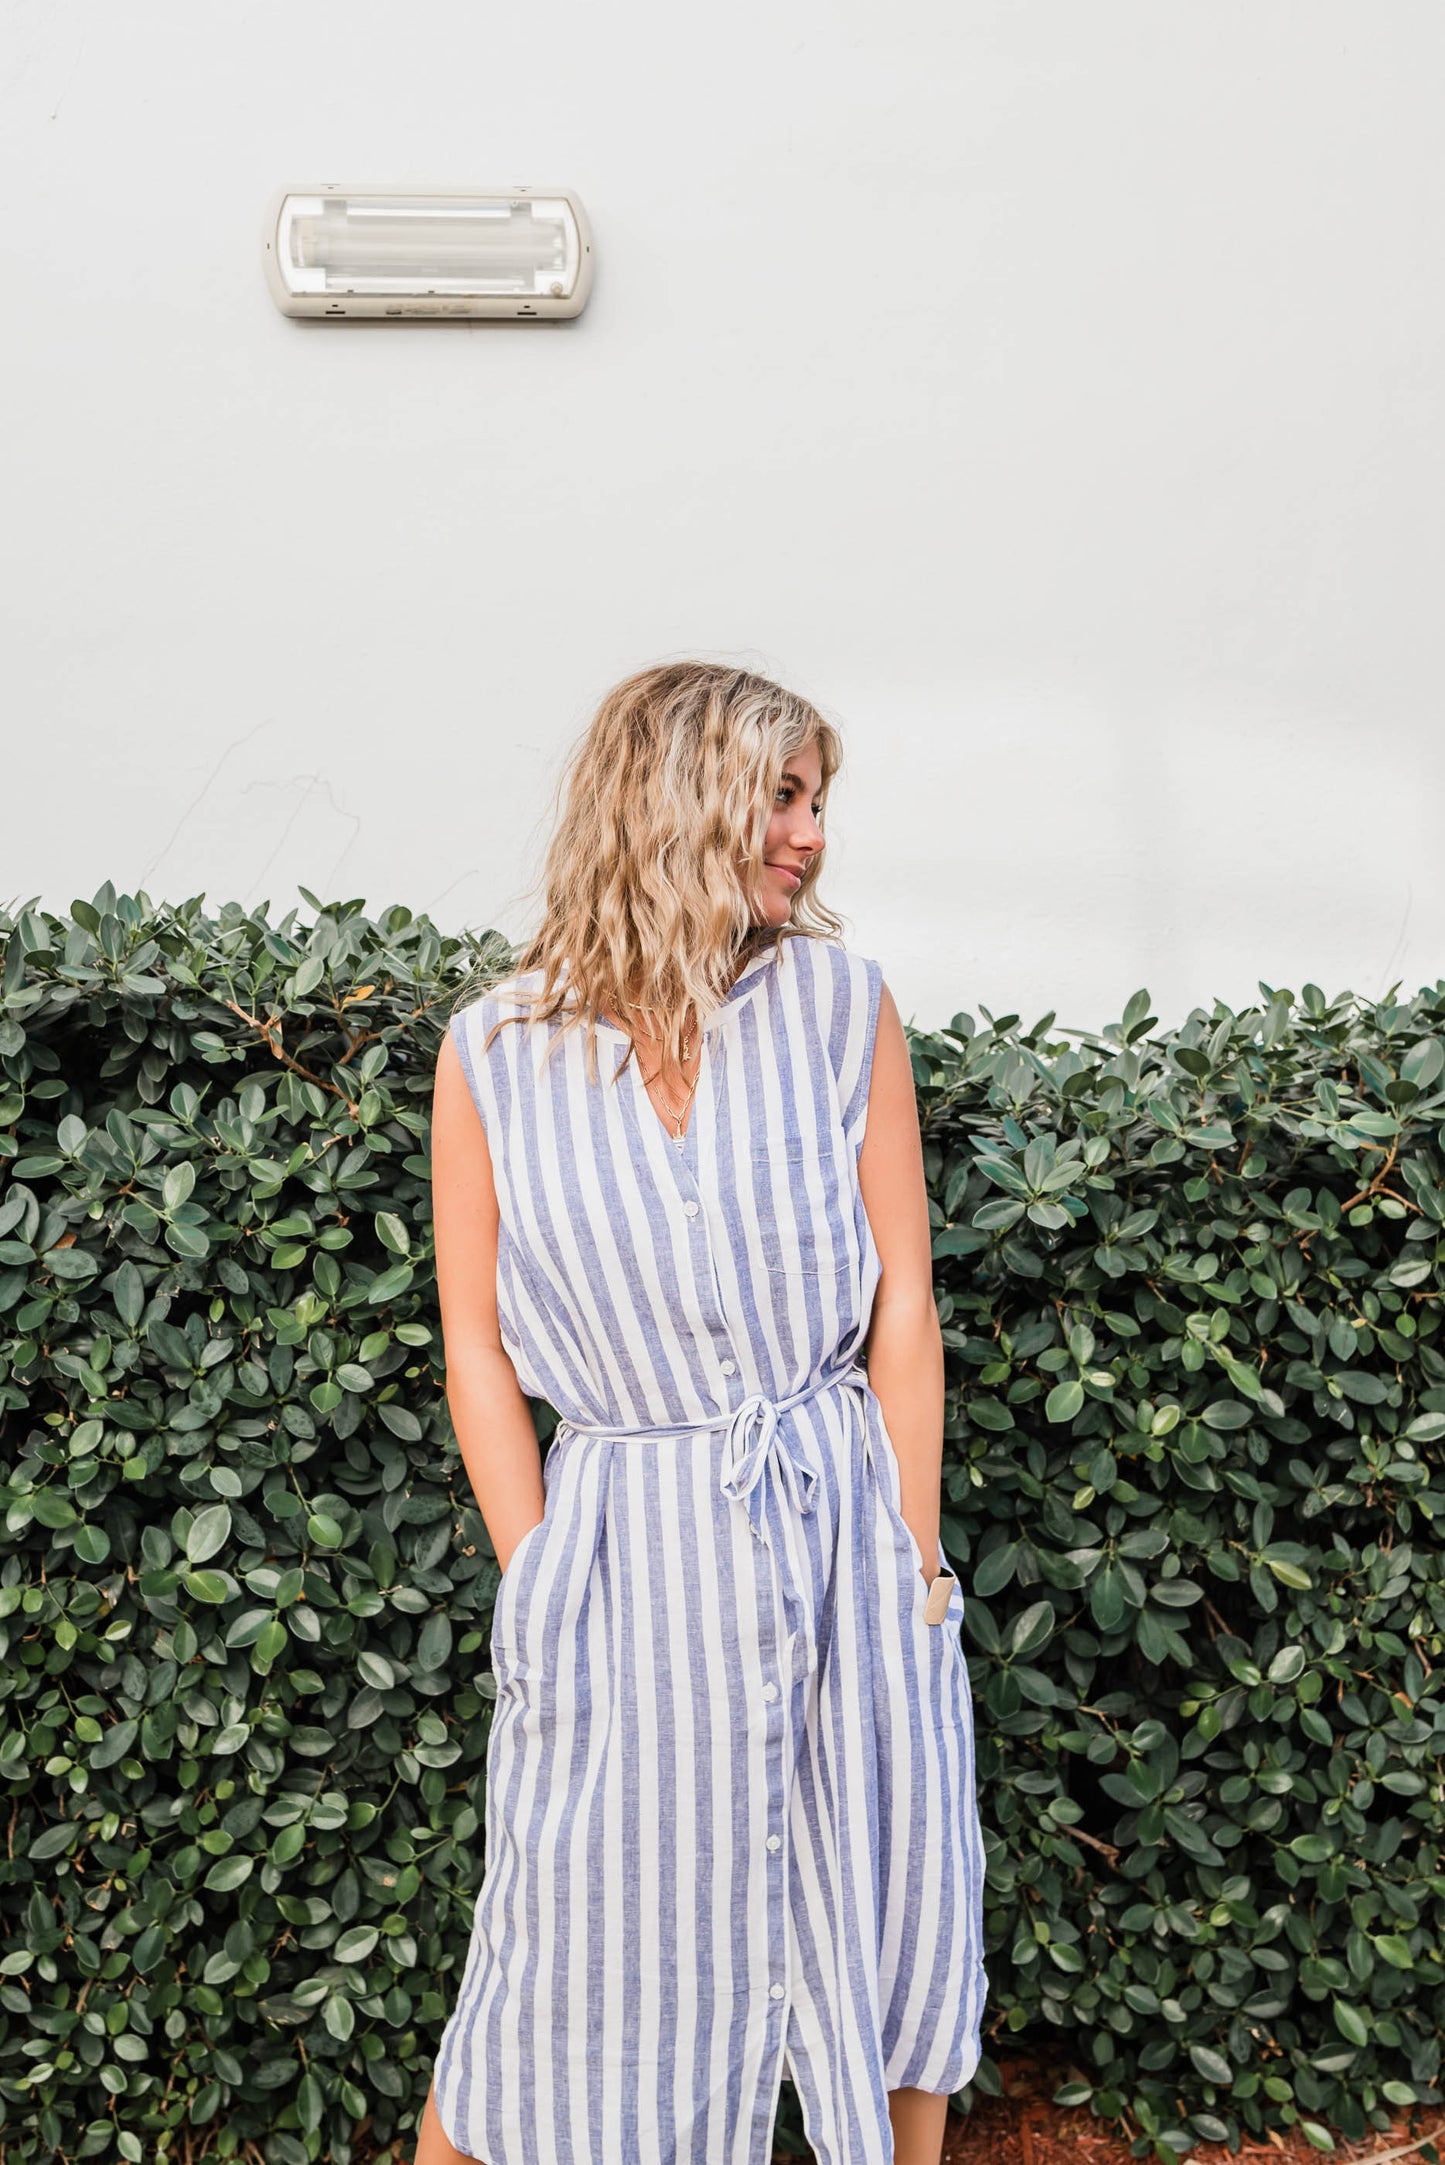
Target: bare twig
(1377,1184)
(270,1032)
(1107,1849)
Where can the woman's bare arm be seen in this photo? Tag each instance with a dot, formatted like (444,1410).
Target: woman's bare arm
(488,1407)
(905,1344)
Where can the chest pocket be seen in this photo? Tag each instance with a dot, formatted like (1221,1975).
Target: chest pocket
(802,1197)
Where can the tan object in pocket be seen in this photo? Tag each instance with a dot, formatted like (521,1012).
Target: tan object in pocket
(940,1593)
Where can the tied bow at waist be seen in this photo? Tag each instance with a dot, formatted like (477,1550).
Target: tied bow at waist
(757,1440)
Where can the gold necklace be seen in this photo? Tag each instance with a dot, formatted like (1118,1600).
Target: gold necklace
(675,1112)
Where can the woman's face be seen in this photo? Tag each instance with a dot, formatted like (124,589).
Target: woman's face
(794,837)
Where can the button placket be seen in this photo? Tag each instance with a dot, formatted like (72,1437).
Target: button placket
(693,1211)
(775,1725)
(689,1168)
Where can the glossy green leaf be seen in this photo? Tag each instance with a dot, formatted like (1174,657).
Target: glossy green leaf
(209,1532)
(1064,1400)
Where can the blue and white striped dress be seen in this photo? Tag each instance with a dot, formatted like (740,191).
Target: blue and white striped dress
(731,1820)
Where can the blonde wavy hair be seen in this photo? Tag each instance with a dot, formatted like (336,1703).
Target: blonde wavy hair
(652,878)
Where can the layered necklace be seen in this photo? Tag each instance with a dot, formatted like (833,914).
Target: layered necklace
(677,1113)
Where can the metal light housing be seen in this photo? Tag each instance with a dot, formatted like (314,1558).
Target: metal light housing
(437,254)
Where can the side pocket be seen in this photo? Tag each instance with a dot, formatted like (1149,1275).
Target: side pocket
(502,1605)
(940,1599)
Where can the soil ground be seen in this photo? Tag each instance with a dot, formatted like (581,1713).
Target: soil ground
(1023,2128)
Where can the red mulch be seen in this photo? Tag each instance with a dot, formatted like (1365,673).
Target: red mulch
(1023,2128)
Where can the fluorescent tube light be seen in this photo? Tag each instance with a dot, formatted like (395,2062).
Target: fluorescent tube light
(513,253)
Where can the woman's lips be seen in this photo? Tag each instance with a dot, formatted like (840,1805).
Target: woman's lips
(788,873)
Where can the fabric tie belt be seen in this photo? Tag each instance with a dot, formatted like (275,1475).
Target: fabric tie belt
(756,1441)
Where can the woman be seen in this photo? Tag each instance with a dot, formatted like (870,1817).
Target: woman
(731,1829)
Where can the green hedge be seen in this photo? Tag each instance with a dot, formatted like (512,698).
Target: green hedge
(1189,1282)
(245,1587)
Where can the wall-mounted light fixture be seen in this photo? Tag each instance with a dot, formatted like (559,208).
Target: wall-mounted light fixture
(442,253)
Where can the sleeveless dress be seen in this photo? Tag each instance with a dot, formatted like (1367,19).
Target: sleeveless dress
(731,1823)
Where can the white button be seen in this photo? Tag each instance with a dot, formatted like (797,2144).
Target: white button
(775,1992)
(770,1691)
(775,1841)
(691,1209)
(729,1368)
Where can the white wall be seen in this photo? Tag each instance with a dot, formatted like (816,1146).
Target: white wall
(1051,391)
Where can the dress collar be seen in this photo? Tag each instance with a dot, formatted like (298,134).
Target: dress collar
(748,980)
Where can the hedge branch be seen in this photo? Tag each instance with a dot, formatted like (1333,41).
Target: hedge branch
(270,1032)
